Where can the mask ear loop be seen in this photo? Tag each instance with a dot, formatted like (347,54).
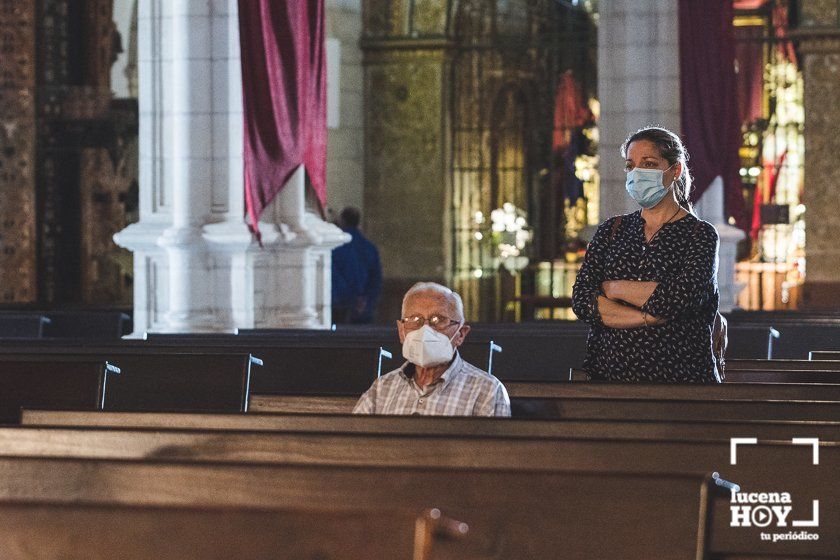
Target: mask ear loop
(460,324)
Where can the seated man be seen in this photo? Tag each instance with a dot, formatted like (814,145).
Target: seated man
(434,380)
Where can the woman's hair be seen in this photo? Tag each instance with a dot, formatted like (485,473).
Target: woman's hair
(671,148)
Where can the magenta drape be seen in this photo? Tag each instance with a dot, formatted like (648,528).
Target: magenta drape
(284,97)
(710,122)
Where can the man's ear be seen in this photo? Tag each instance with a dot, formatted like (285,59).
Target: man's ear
(462,334)
(400,331)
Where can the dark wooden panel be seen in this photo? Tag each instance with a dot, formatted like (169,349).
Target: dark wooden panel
(160,380)
(49,383)
(590,408)
(19,325)
(422,425)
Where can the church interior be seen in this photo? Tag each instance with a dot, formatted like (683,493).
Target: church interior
(244,244)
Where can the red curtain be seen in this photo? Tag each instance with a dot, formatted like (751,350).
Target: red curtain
(284,97)
(571,110)
(710,124)
(749,51)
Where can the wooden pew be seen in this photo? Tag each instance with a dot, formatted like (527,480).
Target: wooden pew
(798,338)
(22,325)
(323,364)
(767,365)
(515,515)
(42,381)
(824,356)
(162,380)
(783,376)
(765,371)
(421,425)
(86,323)
(579,486)
(588,408)
(285,369)
(674,391)
(819,392)
(176,533)
(548,350)
(778,317)
(303,404)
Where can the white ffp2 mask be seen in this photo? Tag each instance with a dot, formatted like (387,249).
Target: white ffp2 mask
(426,347)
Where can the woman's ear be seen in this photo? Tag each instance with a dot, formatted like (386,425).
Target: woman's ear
(678,169)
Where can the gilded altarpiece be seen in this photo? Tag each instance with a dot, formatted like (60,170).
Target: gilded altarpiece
(460,100)
(65,187)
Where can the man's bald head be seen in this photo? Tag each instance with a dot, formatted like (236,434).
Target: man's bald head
(454,302)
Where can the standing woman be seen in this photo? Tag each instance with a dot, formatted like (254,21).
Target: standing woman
(648,283)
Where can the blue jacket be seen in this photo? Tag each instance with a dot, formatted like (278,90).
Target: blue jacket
(356,272)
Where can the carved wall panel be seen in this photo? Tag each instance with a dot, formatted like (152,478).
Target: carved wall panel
(82,181)
(103,188)
(404,131)
(459,111)
(17,152)
(822,175)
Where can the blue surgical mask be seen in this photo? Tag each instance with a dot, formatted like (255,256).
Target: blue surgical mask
(645,186)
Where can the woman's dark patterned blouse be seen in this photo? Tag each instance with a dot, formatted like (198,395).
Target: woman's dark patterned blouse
(682,257)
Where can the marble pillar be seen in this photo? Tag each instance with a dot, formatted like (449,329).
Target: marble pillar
(710,208)
(821,75)
(345,148)
(197,266)
(638,84)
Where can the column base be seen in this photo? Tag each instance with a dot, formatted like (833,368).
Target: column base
(226,281)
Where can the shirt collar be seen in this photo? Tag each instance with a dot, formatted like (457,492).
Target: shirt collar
(407,370)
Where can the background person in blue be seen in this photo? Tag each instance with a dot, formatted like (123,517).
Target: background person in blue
(356,273)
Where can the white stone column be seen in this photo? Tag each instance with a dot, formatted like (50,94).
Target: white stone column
(197,266)
(189,115)
(638,84)
(345,87)
(710,208)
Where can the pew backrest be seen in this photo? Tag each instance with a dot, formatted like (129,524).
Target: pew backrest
(827,356)
(43,381)
(160,380)
(772,365)
(22,325)
(674,391)
(589,408)
(422,425)
(614,478)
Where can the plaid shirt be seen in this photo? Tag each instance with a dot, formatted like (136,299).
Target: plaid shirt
(462,390)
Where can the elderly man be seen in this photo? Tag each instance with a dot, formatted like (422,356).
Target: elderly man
(434,380)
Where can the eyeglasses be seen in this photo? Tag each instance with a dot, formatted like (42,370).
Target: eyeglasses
(437,322)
